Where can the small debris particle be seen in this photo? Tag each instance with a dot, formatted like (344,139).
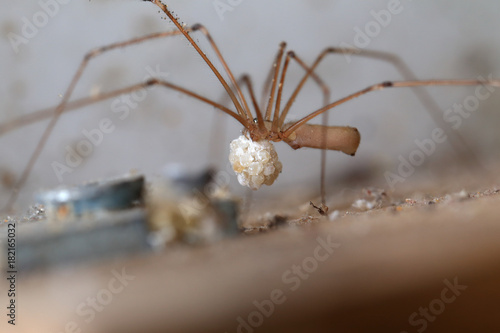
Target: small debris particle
(462,195)
(334,215)
(372,198)
(322,209)
(364,204)
(277,221)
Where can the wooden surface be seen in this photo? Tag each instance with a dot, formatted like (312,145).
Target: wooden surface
(384,266)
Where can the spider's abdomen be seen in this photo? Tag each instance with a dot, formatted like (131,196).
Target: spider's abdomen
(255,162)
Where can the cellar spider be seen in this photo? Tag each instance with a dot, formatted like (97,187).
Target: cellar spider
(253,156)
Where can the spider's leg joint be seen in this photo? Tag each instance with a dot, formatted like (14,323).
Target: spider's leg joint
(197,26)
(152,81)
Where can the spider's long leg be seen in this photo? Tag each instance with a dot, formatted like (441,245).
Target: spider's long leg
(93,53)
(457,141)
(324,121)
(300,85)
(274,127)
(266,89)
(275,69)
(219,122)
(205,58)
(321,84)
(42,114)
(388,84)
(67,94)
(309,74)
(392,59)
(99,97)
(201,28)
(45,113)
(260,120)
(326,99)
(60,108)
(245,79)
(269,79)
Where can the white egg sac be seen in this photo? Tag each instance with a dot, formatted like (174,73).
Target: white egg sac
(255,162)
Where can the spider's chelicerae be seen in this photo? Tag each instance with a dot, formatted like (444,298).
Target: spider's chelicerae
(252,155)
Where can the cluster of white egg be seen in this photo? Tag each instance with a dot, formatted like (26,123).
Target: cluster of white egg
(255,162)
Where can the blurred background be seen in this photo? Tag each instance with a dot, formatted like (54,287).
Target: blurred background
(437,40)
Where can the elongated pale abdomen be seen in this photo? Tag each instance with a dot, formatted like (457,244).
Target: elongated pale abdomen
(342,138)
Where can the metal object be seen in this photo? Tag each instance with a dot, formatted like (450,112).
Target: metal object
(94,198)
(43,245)
(109,220)
(112,218)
